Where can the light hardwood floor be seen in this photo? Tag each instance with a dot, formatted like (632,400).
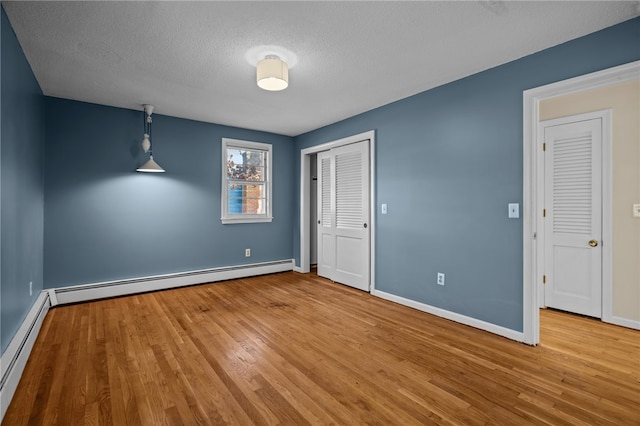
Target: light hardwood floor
(297,349)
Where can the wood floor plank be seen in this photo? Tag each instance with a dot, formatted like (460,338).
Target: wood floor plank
(296,349)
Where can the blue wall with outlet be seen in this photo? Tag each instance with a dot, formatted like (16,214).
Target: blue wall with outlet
(104,221)
(449,161)
(21,199)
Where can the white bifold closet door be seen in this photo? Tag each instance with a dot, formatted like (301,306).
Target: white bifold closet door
(343,215)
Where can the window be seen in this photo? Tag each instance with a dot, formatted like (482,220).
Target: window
(246,181)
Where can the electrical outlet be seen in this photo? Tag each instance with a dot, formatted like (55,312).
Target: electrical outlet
(247,252)
(636,210)
(440,280)
(384,209)
(30,288)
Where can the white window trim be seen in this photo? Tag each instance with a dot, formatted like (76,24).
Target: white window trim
(224,201)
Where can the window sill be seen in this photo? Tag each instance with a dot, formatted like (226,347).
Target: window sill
(231,221)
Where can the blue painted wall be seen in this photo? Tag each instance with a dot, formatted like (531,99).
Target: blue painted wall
(104,221)
(448,162)
(21,200)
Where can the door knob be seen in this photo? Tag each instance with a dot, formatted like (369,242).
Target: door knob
(593,243)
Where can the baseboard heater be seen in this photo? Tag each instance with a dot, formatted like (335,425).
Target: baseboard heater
(15,357)
(85,292)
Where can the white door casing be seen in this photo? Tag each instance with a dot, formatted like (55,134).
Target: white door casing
(573,213)
(343,215)
(313,199)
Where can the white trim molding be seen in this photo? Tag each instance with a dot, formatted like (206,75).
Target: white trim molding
(85,292)
(15,357)
(531,201)
(462,319)
(624,322)
(305,202)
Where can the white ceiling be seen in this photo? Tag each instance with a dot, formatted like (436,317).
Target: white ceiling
(189,59)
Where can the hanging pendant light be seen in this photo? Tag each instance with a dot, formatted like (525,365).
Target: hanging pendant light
(150,166)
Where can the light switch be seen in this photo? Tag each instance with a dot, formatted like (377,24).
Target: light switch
(514,210)
(636,210)
(384,209)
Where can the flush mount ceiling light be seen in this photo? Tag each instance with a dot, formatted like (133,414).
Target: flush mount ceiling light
(272,65)
(272,73)
(150,166)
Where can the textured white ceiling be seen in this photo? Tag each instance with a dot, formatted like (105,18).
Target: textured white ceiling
(190,58)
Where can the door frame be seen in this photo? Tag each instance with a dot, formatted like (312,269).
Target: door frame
(606,205)
(532,204)
(305,203)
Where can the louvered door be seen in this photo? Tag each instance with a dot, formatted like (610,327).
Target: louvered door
(573,222)
(326,226)
(343,224)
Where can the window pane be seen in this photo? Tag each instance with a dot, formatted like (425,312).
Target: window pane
(246,199)
(245,165)
(246,181)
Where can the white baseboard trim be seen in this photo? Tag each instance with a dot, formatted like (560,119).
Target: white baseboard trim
(463,319)
(298,269)
(15,357)
(85,292)
(624,322)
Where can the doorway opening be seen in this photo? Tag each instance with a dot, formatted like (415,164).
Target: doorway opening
(533,201)
(572,175)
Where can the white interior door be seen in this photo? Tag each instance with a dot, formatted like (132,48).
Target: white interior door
(343,215)
(573,214)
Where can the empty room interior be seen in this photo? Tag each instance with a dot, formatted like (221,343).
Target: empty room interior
(319,212)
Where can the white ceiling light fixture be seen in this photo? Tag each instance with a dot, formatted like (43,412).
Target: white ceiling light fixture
(150,166)
(272,73)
